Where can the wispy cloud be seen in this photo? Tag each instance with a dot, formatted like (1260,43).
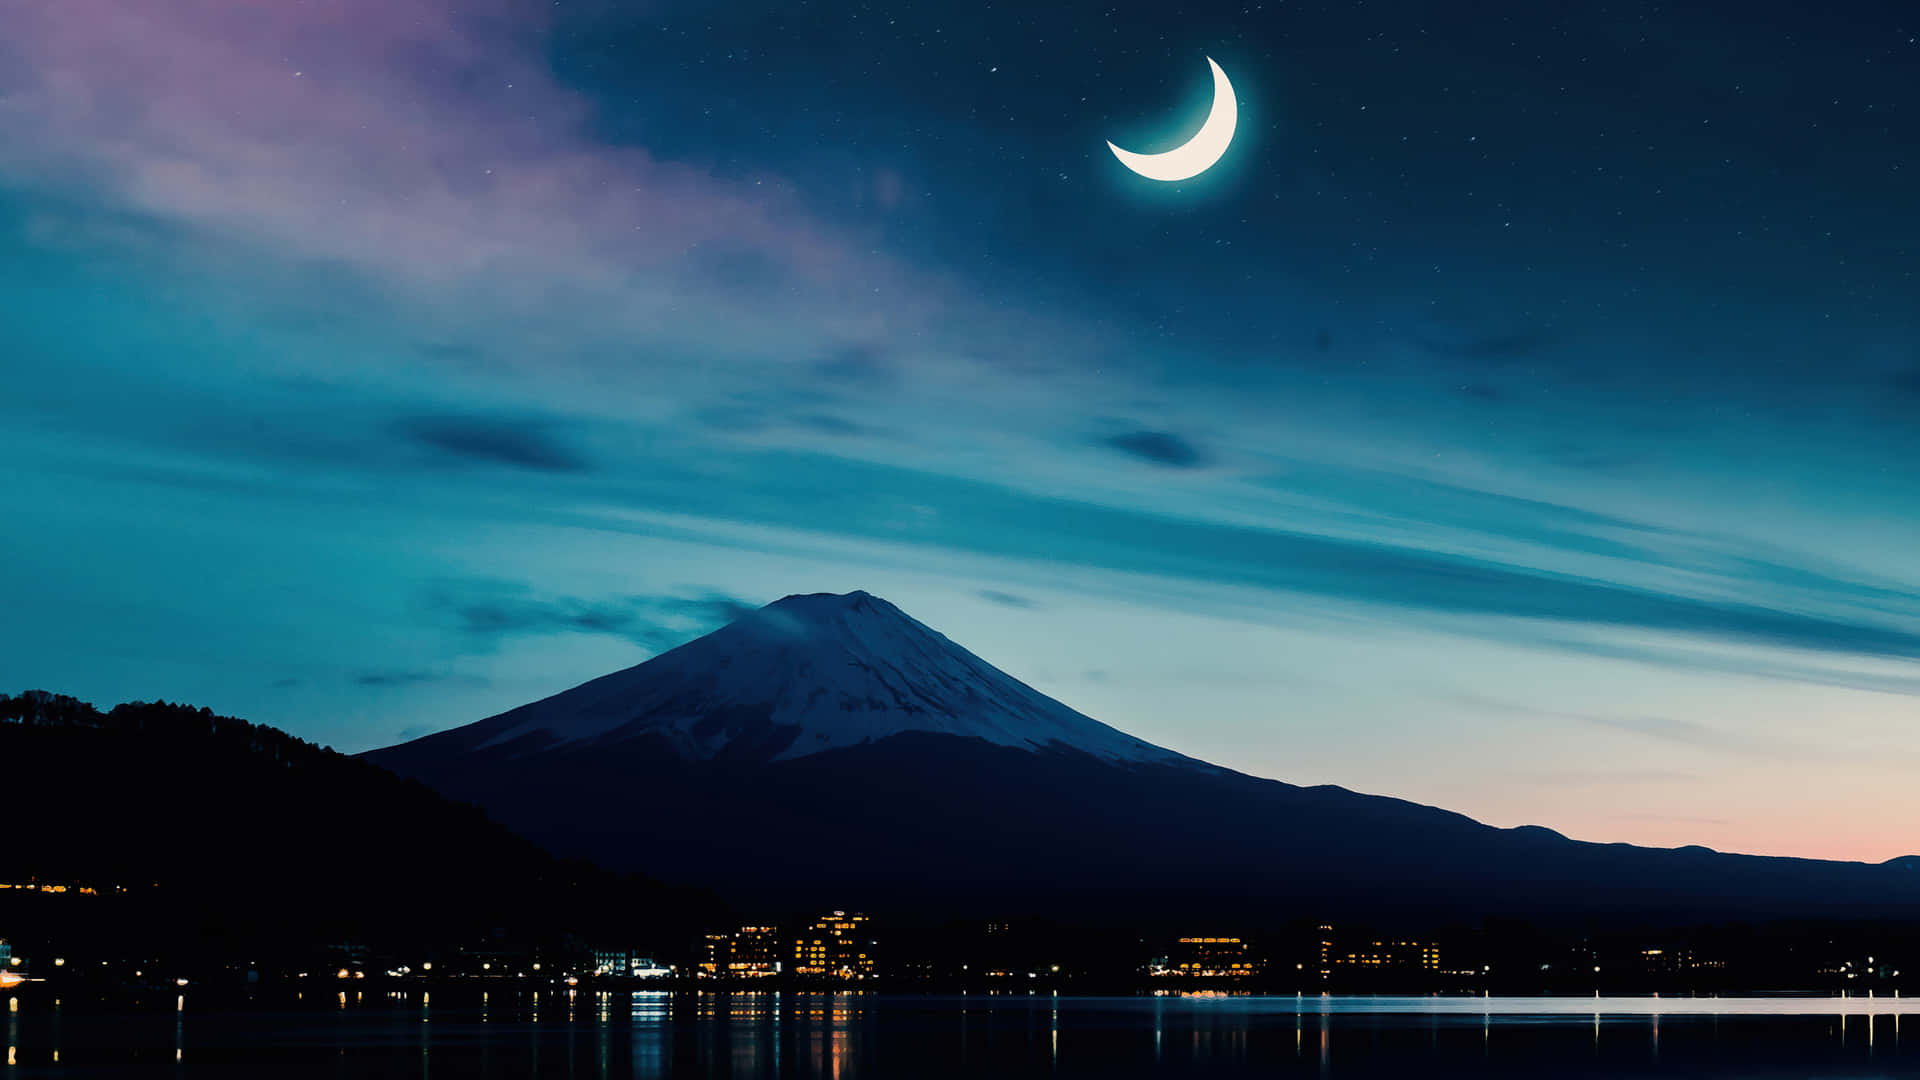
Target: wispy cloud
(488,610)
(455,147)
(1680,657)
(1602,777)
(1714,738)
(1669,729)
(1671,819)
(1007,599)
(395,679)
(526,444)
(1160,448)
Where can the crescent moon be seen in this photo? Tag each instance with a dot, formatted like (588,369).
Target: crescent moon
(1197,154)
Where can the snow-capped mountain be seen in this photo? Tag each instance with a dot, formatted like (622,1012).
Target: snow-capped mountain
(805,675)
(831,751)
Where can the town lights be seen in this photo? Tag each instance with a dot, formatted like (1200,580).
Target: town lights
(59,961)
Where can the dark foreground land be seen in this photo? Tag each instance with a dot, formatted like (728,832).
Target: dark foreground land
(592,1034)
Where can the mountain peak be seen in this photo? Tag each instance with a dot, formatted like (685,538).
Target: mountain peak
(856,598)
(825,606)
(806,674)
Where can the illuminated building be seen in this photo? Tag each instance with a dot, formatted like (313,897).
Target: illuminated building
(1392,956)
(6,953)
(1668,960)
(83,890)
(715,951)
(750,952)
(1662,961)
(835,946)
(1211,957)
(756,952)
(1376,955)
(623,963)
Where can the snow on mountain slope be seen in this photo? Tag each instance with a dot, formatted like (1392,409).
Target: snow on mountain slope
(812,673)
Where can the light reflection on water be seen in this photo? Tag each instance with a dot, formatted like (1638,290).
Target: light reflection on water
(1651,1005)
(848,1036)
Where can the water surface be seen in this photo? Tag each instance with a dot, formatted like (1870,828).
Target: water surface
(551,1034)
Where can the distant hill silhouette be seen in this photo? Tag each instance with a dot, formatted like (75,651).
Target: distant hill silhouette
(226,834)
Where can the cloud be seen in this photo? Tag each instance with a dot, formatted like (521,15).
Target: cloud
(780,412)
(486,611)
(712,607)
(438,119)
(1673,819)
(524,444)
(1007,599)
(1660,727)
(418,162)
(858,364)
(1158,447)
(1690,732)
(828,424)
(1761,667)
(1683,732)
(1603,777)
(386,679)
(1650,579)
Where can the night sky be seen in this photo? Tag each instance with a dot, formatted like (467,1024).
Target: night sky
(1523,417)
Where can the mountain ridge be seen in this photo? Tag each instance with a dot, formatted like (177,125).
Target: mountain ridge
(943,809)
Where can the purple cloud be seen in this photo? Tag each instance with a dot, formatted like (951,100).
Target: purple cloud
(423,140)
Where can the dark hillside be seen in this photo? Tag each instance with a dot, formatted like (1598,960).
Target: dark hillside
(198,831)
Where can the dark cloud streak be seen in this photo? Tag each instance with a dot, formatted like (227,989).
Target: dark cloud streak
(1160,448)
(487,611)
(523,444)
(1007,599)
(392,679)
(819,493)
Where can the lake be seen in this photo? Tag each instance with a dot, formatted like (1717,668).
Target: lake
(450,1033)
